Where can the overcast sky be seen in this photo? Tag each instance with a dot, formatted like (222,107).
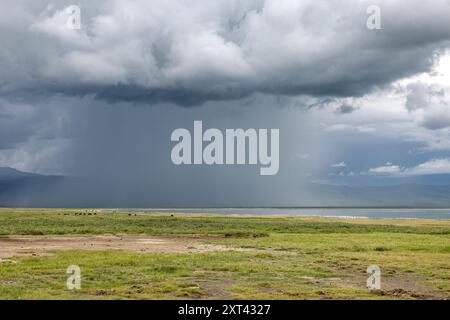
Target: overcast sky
(354,106)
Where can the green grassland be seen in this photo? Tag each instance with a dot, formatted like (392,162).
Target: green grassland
(284,257)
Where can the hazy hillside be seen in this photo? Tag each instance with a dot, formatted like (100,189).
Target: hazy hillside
(32,190)
(19,188)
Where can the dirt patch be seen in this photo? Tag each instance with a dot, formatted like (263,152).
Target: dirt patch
(212,284)
(399,285)
(401,293)
(405,285)
(219,289)
(40,245)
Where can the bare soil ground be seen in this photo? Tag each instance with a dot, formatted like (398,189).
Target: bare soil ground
(399,285)
(40,245)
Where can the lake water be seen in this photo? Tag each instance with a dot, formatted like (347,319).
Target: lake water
(323,212)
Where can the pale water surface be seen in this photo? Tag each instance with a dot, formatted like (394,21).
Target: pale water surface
(323,212)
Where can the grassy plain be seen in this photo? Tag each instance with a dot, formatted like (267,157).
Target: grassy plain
(266,257)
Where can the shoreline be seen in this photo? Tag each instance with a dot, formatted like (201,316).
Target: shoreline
(389,214)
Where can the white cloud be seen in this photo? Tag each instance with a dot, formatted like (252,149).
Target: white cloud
(409,111)
(431,167)
(339,165)
(436,166)
(388,169)
(347,127)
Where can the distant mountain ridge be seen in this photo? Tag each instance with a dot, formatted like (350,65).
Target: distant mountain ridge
(6,172)
(18,188)
(26,189)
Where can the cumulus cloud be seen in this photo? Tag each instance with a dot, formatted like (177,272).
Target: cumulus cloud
(339,165)
(388,169)
(189,52)
(431,167)
(435,166)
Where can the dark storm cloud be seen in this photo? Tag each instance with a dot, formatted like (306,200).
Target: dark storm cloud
(130,93)
(72,101)
(345,109)
(191,52)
